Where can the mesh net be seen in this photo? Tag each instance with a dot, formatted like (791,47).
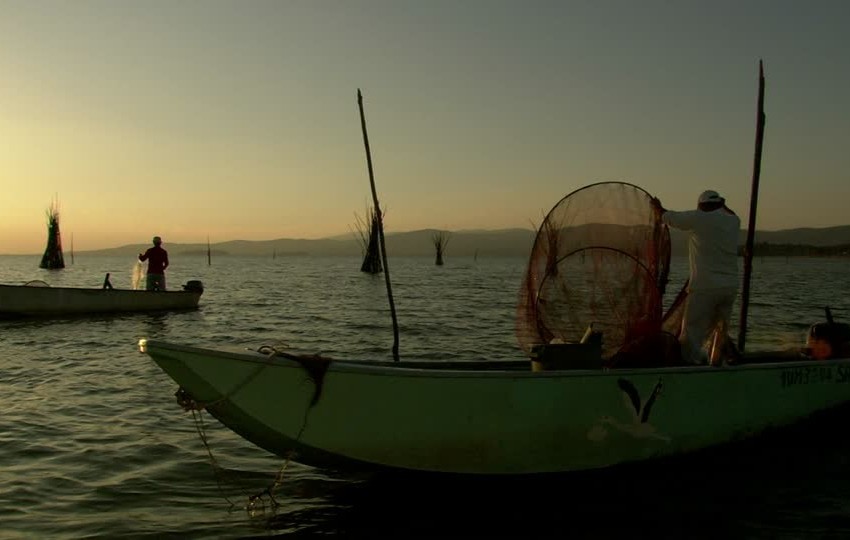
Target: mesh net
(601,257)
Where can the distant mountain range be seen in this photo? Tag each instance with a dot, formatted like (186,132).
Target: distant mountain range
(482,243)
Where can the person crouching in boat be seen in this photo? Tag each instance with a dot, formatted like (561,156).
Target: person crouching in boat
(157,259)
(713,277)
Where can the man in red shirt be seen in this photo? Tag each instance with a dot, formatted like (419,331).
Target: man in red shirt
(157,259)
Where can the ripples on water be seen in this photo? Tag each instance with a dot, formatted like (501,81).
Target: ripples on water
(93,444)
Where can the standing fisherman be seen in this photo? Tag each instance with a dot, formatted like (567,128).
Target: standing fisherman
(157,259)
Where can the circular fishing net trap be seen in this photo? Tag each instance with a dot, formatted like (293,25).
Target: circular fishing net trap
(601,258)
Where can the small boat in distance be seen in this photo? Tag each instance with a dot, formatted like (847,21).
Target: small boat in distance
(38,299)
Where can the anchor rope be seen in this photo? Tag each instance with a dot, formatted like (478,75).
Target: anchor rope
(218,470)
(278,481)
(187,402)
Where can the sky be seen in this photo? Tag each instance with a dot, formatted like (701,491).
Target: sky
(239,120)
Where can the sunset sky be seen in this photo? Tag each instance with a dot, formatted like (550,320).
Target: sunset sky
(239,120)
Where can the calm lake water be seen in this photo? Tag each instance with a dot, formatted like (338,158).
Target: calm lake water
(94,445)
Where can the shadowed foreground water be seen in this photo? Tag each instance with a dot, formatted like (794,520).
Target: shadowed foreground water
(791,484)
(94,445)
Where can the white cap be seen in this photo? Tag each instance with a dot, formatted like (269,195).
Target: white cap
(710,196)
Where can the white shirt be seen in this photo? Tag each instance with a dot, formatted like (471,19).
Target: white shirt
(712,248)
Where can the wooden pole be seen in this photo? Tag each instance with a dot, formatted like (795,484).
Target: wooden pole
(209,252)
(380,224)
(751,227)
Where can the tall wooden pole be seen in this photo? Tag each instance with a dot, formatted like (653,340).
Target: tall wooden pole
(751,227)
(380,223)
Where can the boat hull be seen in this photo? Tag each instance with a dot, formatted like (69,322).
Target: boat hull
(508,420)
(32,301)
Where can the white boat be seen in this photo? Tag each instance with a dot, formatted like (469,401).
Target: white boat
(37,299)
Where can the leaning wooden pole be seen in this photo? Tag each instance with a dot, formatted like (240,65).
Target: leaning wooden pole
(751,226)
(380,223)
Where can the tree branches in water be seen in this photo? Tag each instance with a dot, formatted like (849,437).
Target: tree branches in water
(52,258)
(440,240)
(367,231)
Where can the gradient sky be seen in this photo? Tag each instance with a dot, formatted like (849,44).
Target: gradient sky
(239,120)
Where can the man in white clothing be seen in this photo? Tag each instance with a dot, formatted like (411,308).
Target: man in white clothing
(713,281)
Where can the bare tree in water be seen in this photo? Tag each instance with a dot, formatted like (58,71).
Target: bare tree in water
(441,240)
(52,258)
(367,231)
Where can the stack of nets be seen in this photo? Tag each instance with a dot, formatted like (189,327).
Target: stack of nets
(601,258)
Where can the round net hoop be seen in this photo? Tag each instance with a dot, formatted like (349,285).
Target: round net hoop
(601,256)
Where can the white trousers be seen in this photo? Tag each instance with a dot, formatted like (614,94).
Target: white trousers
(706,319)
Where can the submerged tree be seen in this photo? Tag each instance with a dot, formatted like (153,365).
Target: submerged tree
(52,258)
(367,231)
(441,240)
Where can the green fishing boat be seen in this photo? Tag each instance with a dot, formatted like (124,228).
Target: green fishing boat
(601,381)
(496,418)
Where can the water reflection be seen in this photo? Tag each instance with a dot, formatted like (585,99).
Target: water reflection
(154,325)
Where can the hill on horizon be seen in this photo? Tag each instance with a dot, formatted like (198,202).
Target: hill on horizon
(462,243)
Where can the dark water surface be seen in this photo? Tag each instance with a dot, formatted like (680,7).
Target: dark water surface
(94,445)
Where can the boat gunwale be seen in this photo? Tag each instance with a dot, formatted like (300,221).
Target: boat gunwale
(113,290)
(476,368)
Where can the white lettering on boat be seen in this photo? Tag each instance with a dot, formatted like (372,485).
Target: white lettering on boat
(813,375)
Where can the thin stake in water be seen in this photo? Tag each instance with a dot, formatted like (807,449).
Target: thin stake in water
(751,227)
(380,224)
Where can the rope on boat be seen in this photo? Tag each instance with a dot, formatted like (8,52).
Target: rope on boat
(278,480)
(316,366)
(270,491)
(189,403)
(218,470)
(255,503)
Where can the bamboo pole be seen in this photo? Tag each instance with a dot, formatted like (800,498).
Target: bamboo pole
(751,226)
(380,223)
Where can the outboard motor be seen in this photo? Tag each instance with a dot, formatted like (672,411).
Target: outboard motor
(829,339)
(194,286)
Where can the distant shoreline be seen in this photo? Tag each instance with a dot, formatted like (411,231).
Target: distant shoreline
(830,241)
(766,249)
